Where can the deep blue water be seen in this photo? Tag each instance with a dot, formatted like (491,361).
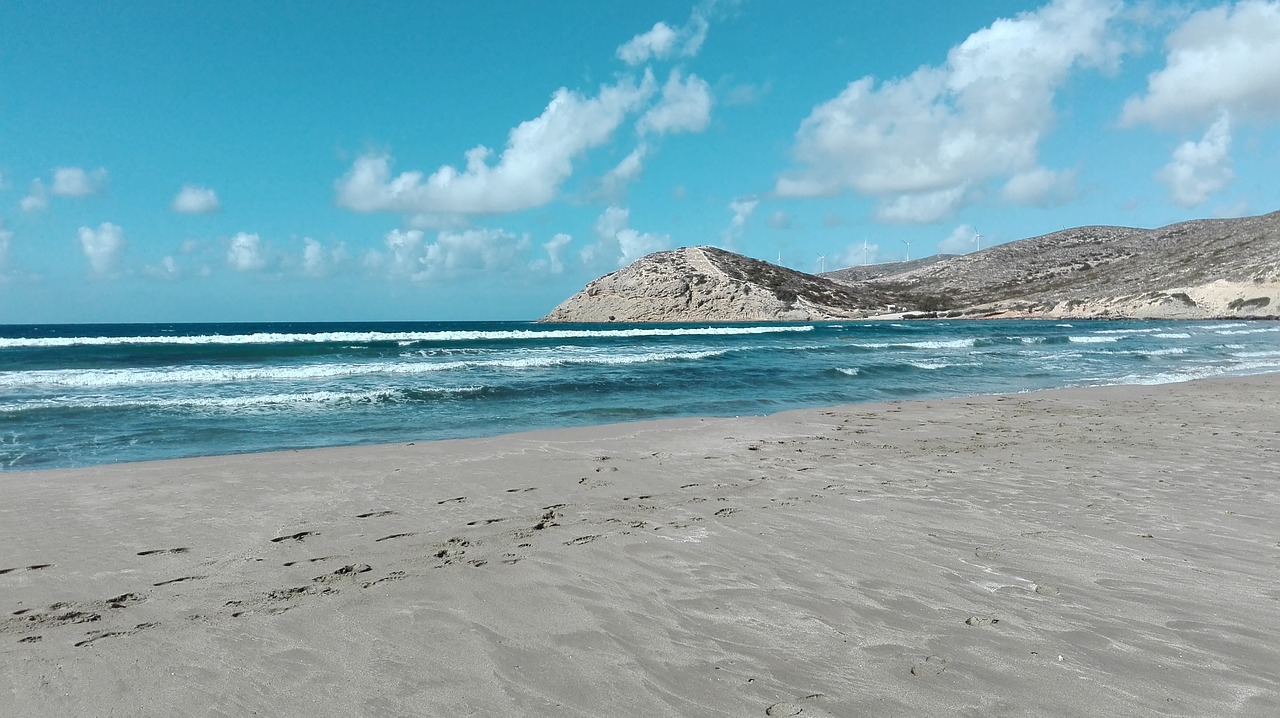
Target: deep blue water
(77,395)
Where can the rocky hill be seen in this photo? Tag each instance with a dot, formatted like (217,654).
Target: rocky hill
(1197,269)
(710,284)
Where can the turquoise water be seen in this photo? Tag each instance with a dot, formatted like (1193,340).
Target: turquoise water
(77,395)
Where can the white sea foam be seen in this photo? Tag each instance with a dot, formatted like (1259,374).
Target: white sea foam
(402,338)
(1172,335)
(218,374)
(1094,340)
(291,400)
(1126,331)
(850,371)
(1266,330)
(949,344)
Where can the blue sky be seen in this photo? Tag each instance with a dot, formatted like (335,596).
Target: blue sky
(246,161)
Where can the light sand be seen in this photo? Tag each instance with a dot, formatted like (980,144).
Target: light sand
(1107,552)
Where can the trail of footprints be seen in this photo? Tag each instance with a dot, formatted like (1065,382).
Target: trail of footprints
(508,546)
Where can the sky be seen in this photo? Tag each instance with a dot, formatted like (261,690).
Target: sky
(301,161)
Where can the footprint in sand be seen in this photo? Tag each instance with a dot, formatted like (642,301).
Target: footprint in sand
(393,536)
(981,621)
(810,705)
(99,635)
(930,666)
(180,580)
(35,567)
(581,540)
(345,571)
(1044,590)
(295,537)
(375,514)
(155,551)
(455,500)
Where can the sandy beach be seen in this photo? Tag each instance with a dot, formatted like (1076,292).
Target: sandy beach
(1111,551)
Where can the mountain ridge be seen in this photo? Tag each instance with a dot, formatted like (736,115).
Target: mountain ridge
(1207,268)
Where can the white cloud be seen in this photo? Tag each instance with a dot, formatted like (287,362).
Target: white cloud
(960,241)
(453,253)
(538,158)
(921,141)
(102,246)
(617,243)
(319,261)
(192,199)
(922,207)
(663,41)
(6,238)
(37,200)
(555,251)
(167,269)
(1040,187)
(76,182)
(854,255)
(780,220)
(742,209)
(1199,169)
(245,253)
(685,106)
(625,172)
(1223,58)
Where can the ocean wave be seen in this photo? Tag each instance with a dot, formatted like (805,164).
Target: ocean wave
(1266,330)
(849,371)
(948,344)
(402,338)
(1126,331)
(1172,335)
(219,375)
(283,400)
(1094,340)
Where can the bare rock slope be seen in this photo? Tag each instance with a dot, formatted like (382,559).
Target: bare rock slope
(709,284)
(1190,270)
(1196,269)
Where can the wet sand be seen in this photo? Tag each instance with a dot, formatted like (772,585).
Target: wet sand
(1086,552)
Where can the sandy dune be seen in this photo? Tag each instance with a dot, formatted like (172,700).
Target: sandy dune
(1074,553)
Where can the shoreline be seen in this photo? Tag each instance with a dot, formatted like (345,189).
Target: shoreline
(1088,551)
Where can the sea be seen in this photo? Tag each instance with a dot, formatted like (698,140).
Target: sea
(84,395)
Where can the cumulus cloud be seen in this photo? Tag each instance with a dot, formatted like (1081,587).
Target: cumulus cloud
(742,209)
(555,252)
(537,160)
(960,241)
(920,142)
(854,255)
(37,200)
(102,246)
(1200,169)
(453,253)
(663,41)
(685,106)
(1223,58)
(246,253)
(193,199)
(1040,187)
(321,261)
(6,237)
(167,269)
(617,243)
(625,172)
(76,182)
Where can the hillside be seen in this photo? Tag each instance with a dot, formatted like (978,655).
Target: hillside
(1198,269)
(710,284)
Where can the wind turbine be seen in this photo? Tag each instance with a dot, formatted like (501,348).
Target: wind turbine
(977,239)
(822,263)
(908,248)
(865,262)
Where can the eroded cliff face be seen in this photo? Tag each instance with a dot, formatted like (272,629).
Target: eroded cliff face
(709,284)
